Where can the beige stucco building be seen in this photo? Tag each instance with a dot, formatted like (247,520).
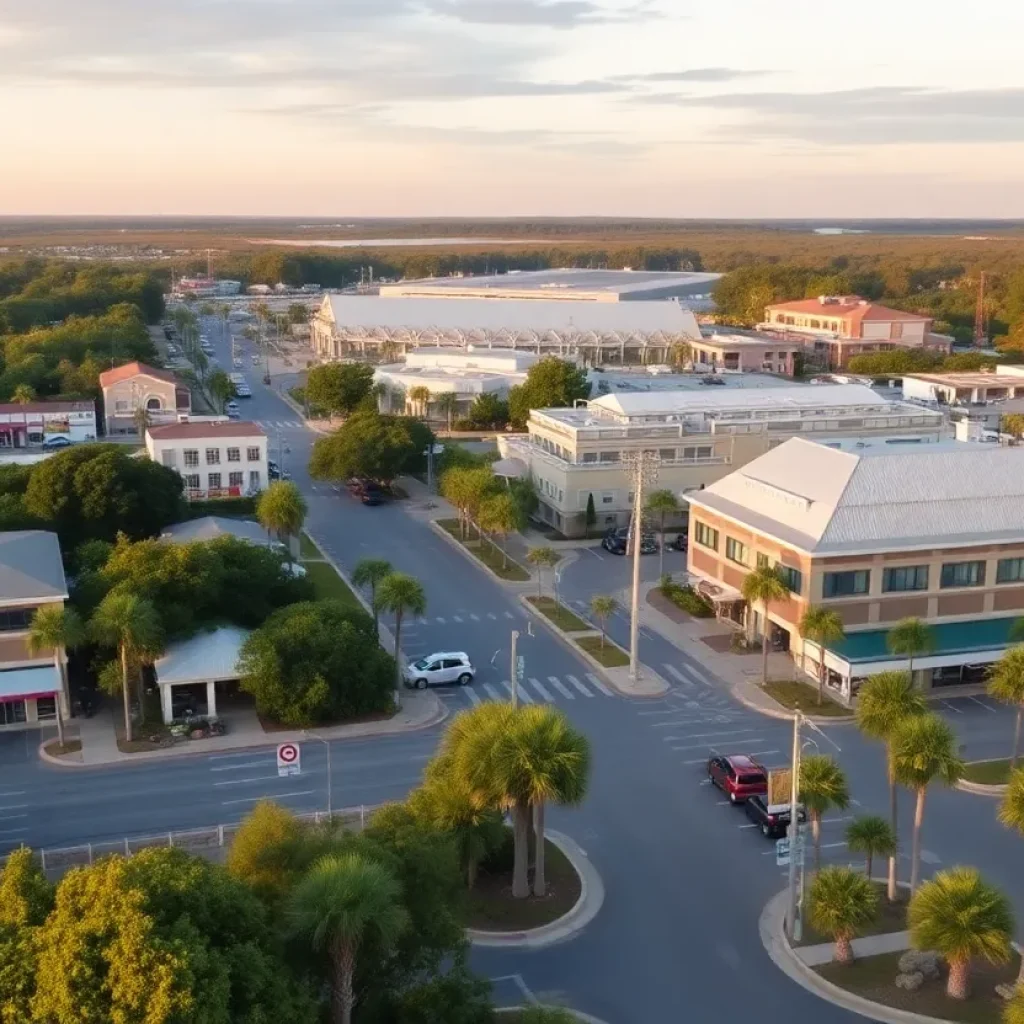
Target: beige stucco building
(134,386)
(748,355)
(932,532)
(699,436)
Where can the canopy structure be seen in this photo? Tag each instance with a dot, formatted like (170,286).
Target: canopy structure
(511,469)
(208,658)
(29,683)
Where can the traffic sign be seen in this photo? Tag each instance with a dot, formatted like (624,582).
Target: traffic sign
(289,759)
(520,668)
(781,852)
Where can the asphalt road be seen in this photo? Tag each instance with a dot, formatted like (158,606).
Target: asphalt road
(686,879)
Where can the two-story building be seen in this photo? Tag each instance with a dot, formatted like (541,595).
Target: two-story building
(930,532)
(745,354)
(33,689)
(135,386)
(698,435)
(226,459)
(32,424)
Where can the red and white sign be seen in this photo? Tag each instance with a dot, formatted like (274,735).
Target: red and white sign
(289,759)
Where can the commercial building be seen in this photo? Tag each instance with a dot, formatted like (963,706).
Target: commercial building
(834,328)
(564,283)
(381,329)
(206,287)
(135,386)
(226,459)
(1005,382)
(745,354)
(465,374)
(698,435)
(935,533)
(33,687)
(31,424)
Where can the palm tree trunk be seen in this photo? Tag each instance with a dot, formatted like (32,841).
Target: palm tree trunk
(539,880)
(59,665)
(520,864)
(471,866)
(915,846)
(821,675)
(764,655)
(373,605)
(910,670)
(398,658)
(869,864)
(342,972)
(893,816)
(1016,743)
(126,695)
(816,839)
(959,974)
(602,636)
(661,549)
(844,949)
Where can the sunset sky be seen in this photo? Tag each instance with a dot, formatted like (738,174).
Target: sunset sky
(736,108)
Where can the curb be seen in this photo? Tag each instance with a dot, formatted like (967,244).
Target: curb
(476,561)
(783,713)
(982,789)
(569,924)
(575,648)
(585,1017)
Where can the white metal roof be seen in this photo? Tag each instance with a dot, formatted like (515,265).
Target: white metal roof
(31,568)
(204,658)
(832,502)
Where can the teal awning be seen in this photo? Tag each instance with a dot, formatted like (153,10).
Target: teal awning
(950,638)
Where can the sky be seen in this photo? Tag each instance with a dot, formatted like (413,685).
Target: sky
(657,108)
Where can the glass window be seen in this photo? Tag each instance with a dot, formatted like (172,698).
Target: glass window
(667,454)
(737,552)
(14,619)
(234,455)
(843,584)
(235,479)
(254,480)
(213,456)
(793,578)
(1010,570)
(192,481)
(12,712)
(590,456)
(963,574)
(214,482)
(610,456)
(191,457)
(762,560)
(46,708)
(253,454)
(909,577)
(705,536)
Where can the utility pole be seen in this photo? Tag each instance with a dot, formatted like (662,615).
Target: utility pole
(794,921)
(515,670)
(644,469)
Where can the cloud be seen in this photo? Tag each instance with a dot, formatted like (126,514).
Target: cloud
(541,13)
(692,75)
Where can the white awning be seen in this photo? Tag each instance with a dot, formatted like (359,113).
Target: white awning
(206,658)
(28,683)
(714,590)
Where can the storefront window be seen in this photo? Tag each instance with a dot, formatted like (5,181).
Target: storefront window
(12,712)
(46,708)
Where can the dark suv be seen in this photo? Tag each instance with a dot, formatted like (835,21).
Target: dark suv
(369,492)
(616,541)
(772,819)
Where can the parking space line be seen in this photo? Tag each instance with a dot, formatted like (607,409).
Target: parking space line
(456,618)
(761,753)
(13,807)
(475,618)
(983,704)
(439,620)
(579,686)
(951,707)
(13,831)
(12,817)
(491,615)
(699,760)
(598,685)
(564,691)
(704,735)
(243,782)
(704,746)
(12,792)
(244,764)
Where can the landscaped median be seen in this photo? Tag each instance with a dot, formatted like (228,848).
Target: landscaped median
(582,634)
(486,552)
(986,778)
(791,694)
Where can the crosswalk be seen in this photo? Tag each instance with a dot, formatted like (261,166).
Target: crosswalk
(280,424)
(531,690)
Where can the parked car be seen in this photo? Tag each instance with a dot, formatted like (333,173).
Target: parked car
(712,378)
(681,543)
(53,443)
(437,669)
(616,541)
(232,411)
(369,492)
(771,819)
(738,776)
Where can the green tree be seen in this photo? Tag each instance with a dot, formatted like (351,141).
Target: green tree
(447,403)
(1006,683)
(590,516)
(602,607)
(23,394)
(824,626)
(763,586)
(314,662)
(368,573)
(963,919)
(221,387)
(266,851)
(542,558)
(343,902)
(910,637)
(400,594)
(366,445)
(871,835)
(1013,1012)
(924,749)
(499,516)
(840,903)
(281,509)
(458,486)
(822,787)
(26,898)
(56,629)
(547,1015)
(884,703)
(298,313)
(340,388)
(1011,810)
(680,355)
(662,503)
(488,411)
(419,396)
(130,624)
(550,383)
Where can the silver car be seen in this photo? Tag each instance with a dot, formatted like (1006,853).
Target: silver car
(441,668)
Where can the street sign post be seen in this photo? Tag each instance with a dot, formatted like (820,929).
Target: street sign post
(289,759)
(784,851)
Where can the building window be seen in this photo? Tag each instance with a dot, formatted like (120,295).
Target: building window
(667,454)
(737,552)
(590,457)
(705,536)
(694,454)
(12,712)
(254,480)
(120,405)
(962,574)
(213,482)
(192,481)
(910,577)
(168,458)
(213,456)
(234,455)
(235,479)
(1010,570)
(46,708)
(792,578)
(191,458)
(153,404)
(607,498)
(844,584)
(252,454)
(610,457)
(15,618)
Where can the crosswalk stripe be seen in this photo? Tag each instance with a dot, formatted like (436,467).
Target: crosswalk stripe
(474,697)
(456,618)
(509,615)
(492,692)
(697,674)
(439,620)
(677,675)
(537,685)
(475,618)
(491,615)
(553,680)
(424,621)
(521,692)
(579,686)
(598,685)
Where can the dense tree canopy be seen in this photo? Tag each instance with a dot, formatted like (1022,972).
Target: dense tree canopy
(550,382)
(339,388)
(370,445)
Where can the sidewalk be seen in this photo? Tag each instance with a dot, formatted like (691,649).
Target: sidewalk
(868,945)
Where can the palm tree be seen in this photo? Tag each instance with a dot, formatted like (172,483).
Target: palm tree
(132,625)
(142,420)
(282,509)
(1013,1012)
(662,503)
(368,573)
(924,749)
(910,637)
(342,902)
(1006,683)
(500,516)
(399,593)
(447,402)
(1011,810)
(546,1015)
(871,835)
(680,354)
(963,918)
(602,607)
(840,903)
(822,787)
(762,586)
(23,394)
(823,626)
(543,558)
(420,397)
(57,629)
(885,701)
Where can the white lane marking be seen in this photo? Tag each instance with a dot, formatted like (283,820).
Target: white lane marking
(13,807)
(13,831)
(521,691)
(439,620)
(930,858)
(824,846)
(424,621)
(509,615)
(491,615)
(704,746)
(598,685)
(492,692)
(951,707)
(276,796)
(456,618)
(761,753)
(12,792)
(579,686)
(983,704)
(475,618)
(677,675)
(537,685)
(698,760)
(474,698)
(244,764)
(12,817)
(244,782)
(553,680)
(647,714)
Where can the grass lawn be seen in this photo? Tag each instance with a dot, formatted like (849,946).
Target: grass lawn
(873,977)
(891,917)
(789,693)
(610,656)
(487,553)
(56,749)
(307,549)
(558,614)
(989,773)
(491,907)
(329,585)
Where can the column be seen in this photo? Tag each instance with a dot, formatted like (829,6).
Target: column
(211,699)
(166,705)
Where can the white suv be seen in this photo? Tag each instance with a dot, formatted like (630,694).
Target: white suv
(444,667)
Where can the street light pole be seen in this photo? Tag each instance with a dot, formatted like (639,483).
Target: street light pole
(515,670)
(793,918)
(644,468)
(309,735)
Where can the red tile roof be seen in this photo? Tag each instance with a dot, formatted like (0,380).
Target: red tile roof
(848,307)
(181,431)
(129,370)
(13,407)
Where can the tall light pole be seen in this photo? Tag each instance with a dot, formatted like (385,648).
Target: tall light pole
(643,470)
(313,736)
(793,917)
(515,670)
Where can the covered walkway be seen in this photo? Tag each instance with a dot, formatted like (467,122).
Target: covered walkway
(205,659)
